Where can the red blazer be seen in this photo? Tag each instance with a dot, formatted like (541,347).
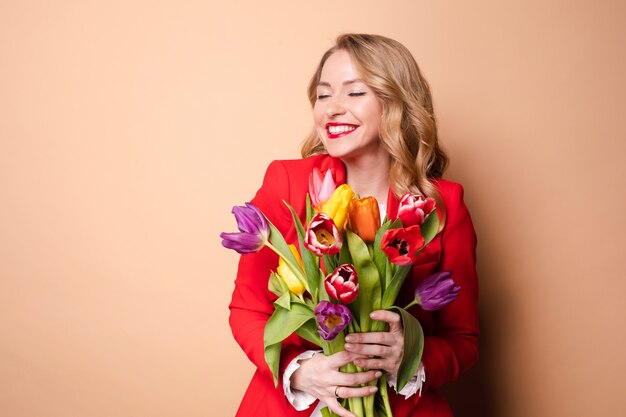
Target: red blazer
(451,334)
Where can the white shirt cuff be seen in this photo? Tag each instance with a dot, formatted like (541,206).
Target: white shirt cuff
(300,400)
(414,385)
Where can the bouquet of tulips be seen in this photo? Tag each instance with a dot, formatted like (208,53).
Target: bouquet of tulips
(347,265)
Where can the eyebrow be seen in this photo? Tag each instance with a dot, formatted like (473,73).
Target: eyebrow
(347,82)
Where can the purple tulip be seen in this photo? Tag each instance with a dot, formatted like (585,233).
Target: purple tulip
(436,291)
(253,233)
(331,319)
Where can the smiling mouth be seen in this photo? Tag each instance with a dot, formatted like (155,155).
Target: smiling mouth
(336,130)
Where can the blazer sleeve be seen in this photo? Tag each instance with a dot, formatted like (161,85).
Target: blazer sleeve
(252,303)
(453,347)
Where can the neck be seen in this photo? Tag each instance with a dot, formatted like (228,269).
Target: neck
(369,176)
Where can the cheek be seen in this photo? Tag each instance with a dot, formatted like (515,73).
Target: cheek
(371,113)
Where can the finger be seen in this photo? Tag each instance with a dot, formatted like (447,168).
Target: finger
(345,379)
(393,319)
(336,408)
(370,350)
(348,392)
(375,363)
(380,338)
(342,358)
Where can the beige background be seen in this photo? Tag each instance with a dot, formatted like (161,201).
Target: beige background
(129,128)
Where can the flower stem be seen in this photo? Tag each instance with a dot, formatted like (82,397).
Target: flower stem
(294,268)
(411,304)
(382,387)
(356,403)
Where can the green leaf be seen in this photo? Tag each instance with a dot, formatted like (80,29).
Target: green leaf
(388,274)
(379,406)
(309,260)
(284,301)
(281,325)
(280,244)
(309,332)
(344,255)
(330,263)
(430,228)
(369,298)
(394,286)
(276,285)
(272,357)
(413,347)
(309,209)
(323,295)
(380,259)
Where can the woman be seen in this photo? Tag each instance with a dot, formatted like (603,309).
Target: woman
(375,130)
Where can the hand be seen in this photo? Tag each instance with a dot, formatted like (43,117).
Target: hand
(379,350)
(320,376)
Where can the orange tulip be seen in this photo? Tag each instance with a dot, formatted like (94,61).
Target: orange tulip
(364,218)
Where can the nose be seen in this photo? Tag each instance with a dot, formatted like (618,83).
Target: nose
(335,107)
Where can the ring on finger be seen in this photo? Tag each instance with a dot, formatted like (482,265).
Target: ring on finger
(337,391)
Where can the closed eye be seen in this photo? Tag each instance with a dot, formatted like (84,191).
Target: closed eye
(357,94)
(323,96)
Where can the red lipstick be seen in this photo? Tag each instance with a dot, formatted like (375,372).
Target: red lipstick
(339,129)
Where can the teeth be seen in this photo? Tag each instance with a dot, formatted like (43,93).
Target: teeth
(340,129)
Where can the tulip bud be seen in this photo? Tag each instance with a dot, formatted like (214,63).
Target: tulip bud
(331,319)
(401,245)
(364,218)
(254,230)
(436,291)
(337,205)
(288,276)
(342,285)
(414,208)
(321,187)
(322,237)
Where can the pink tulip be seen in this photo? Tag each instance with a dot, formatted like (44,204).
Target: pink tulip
(414,209)
(322,237)
(321,187)
(342,285)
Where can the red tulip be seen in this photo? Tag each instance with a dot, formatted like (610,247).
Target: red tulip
(322,237)
(401,245)
(414,209)
(342,285)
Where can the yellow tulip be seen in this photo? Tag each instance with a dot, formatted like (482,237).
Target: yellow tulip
(337,205)
(364,218)
(287,275)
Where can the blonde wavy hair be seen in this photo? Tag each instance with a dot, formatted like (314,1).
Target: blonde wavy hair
(408,128)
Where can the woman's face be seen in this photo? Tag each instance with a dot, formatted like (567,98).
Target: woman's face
(347,113)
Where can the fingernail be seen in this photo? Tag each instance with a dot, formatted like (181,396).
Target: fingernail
(378,374)
(372,315)
(349,338)
(373,389)
(348,346)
